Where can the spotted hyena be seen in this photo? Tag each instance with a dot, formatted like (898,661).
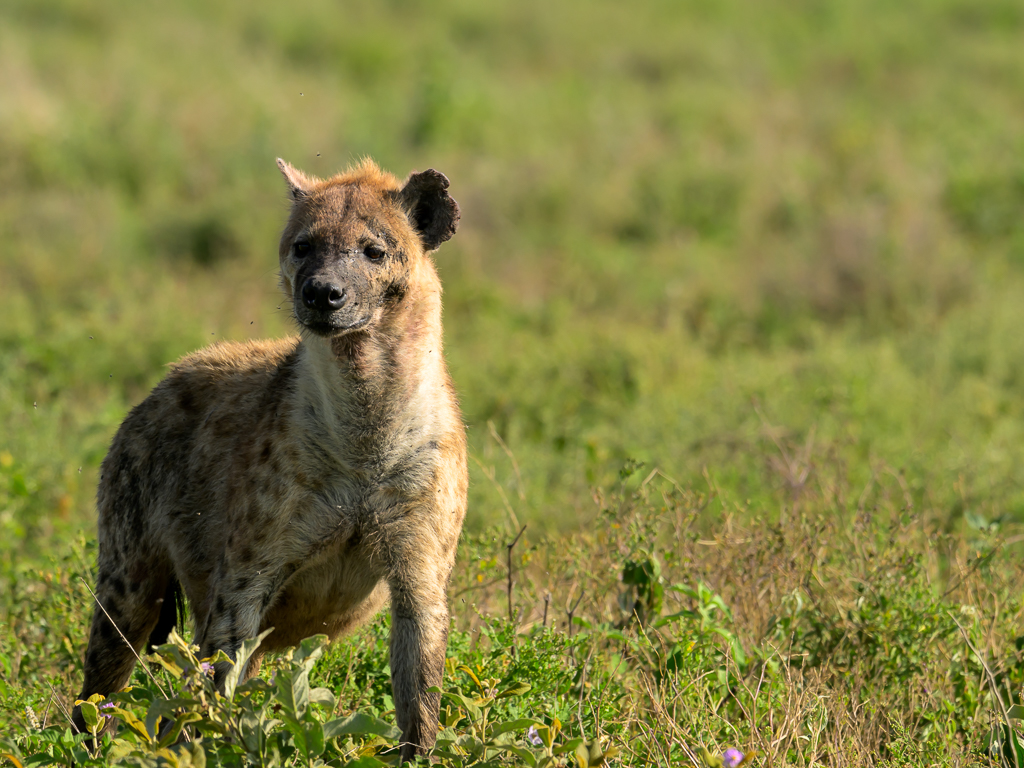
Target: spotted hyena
(299,484)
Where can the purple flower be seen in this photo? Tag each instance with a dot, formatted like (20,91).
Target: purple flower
(106,705)
(732,758)
(207,667)
(534,737)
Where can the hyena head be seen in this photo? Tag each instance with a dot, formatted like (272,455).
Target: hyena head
(354,243)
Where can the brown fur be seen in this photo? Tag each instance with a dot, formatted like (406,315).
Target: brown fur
(300,483)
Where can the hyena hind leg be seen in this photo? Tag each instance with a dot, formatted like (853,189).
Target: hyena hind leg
(127,615)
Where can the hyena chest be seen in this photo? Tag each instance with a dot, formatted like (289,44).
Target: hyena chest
(331,536)
(328,596)
(338,585)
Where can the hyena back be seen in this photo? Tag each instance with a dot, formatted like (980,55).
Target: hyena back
(298,484)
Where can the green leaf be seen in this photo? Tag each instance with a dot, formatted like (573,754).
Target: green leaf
(132,722)
(208,726)
(516,689)
(249,727)
(159,708)
(175,730)
(515,725)
(309,737)
(468,671)
(471,708)
(293,693)
(359,724)
(324,697)
(1016,712)
(569,746)
(309,650)
(709,760)
(137,695)
(90,713)
(366,761)
(195,749)
(471,744)
(241,660)
(523,754)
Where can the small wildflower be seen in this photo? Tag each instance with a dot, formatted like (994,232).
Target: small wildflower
(732,758)
(207,667)
(32,719)
(106,705)
(534,737)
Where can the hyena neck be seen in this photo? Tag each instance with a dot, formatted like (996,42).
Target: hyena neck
(381,375)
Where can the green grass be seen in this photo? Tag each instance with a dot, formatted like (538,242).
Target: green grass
(774,250)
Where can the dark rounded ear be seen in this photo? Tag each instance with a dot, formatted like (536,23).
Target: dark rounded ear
(298,182)
(431,210)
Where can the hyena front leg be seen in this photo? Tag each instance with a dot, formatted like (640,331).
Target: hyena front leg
(419,640)
(234,614)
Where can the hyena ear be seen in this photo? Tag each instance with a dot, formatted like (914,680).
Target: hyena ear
(431,210)
(298,182)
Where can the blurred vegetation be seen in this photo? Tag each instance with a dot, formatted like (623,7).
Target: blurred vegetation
(772,249)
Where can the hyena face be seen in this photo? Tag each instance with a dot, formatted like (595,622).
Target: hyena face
(353,243)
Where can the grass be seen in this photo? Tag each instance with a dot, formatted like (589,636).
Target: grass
(774,252)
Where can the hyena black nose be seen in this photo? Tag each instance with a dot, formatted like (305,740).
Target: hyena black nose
(326,297)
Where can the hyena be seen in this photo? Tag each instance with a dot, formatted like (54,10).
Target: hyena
(298,484)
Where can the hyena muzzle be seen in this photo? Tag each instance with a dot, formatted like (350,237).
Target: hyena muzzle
(298,484)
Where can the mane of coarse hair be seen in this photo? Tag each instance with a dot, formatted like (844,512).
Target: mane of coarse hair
(366,173)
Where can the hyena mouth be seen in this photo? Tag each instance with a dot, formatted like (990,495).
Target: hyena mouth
(330,326)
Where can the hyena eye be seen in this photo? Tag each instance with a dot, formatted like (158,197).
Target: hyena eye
(374,252)
(301,248)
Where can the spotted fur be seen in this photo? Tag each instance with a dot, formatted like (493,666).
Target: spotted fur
(299,484)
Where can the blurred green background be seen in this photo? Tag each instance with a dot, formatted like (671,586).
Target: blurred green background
(735,241)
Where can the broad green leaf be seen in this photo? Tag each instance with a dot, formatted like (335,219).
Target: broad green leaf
(359,724)
(309,650)
(207,725)
(522,725)
(549,732)
(516,689)
(241,660)
(596,752)
(569,746)
(175,730)
(309,738)
(471,744)
(132,722)
(90,713)
(523,754)
(169,663)
(159,708)
(252,734)
(324,697)
(135,695)
(467,704)
(366,761)
(293,693)
(196,752)
(709,760)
